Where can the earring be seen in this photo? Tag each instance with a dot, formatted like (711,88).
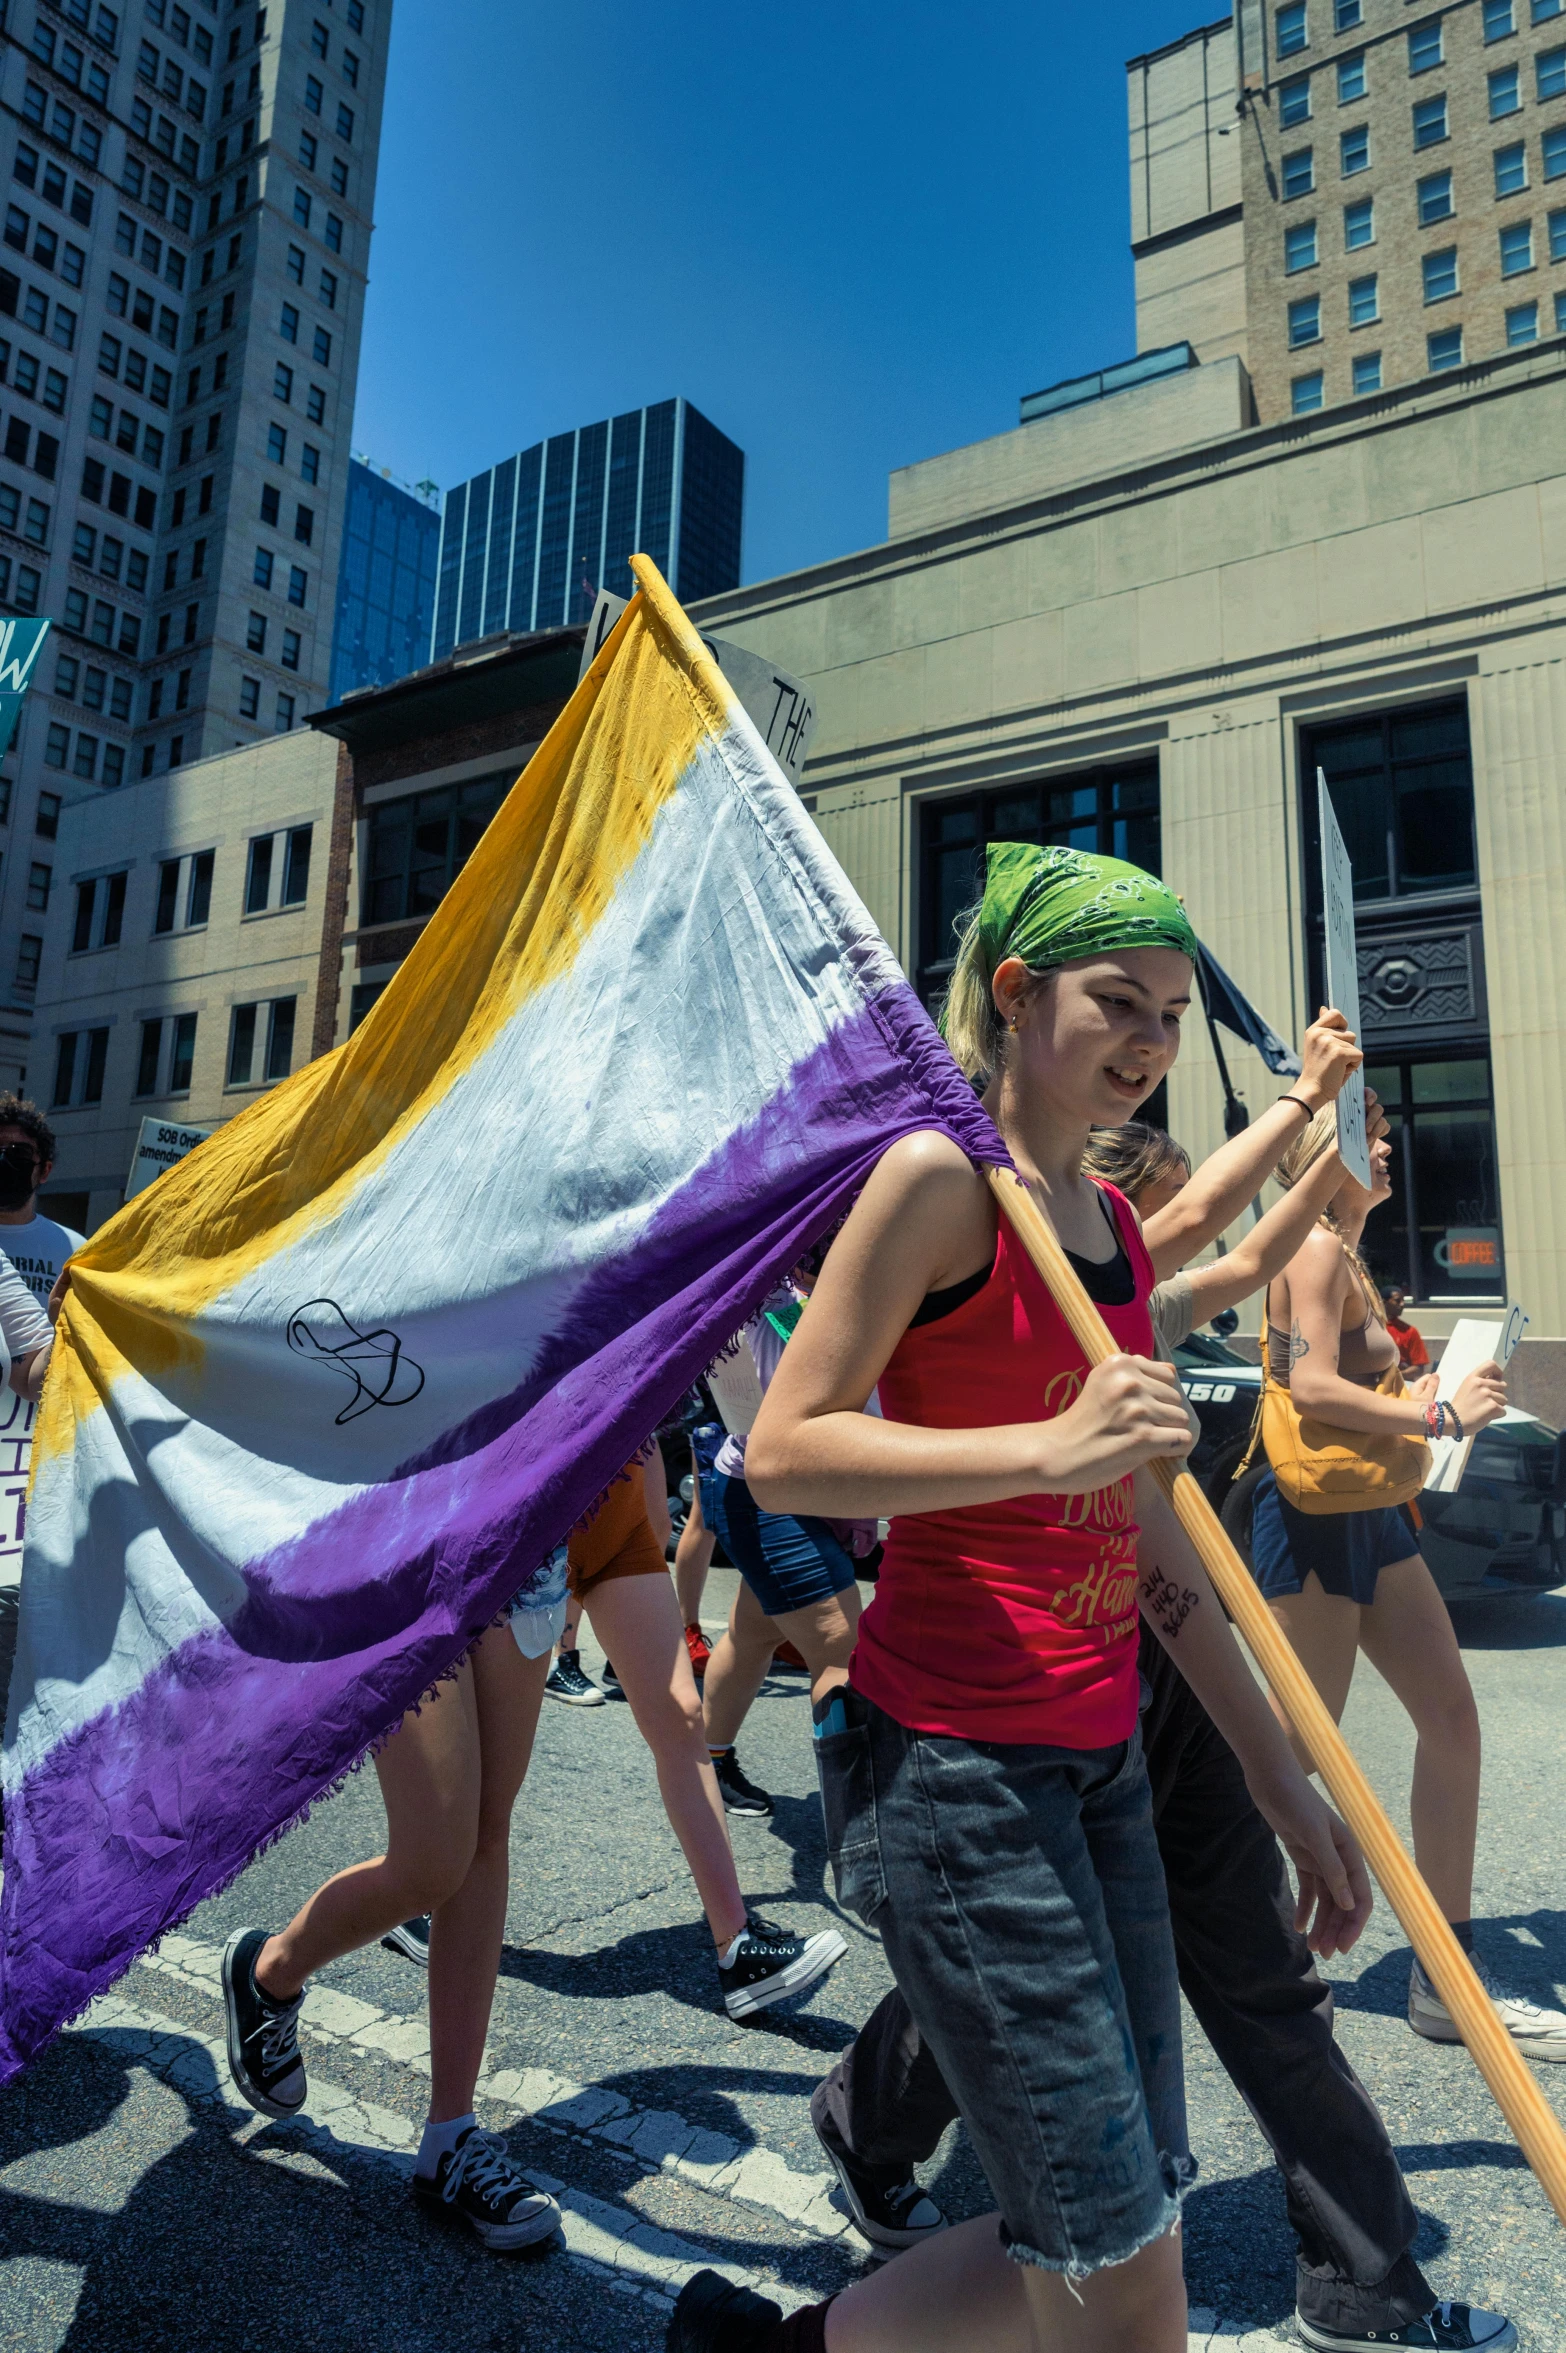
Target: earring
(1012,1025)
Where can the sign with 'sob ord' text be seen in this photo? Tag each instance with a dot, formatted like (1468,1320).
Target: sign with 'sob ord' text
(21,643)
(158,1146)
(1342,976)
(778,706)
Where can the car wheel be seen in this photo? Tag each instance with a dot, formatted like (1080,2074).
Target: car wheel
(1238,1506)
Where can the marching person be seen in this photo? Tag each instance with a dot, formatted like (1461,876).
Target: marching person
(1412,1354)
(1338,1557)
(985,1793)
(1245,1968)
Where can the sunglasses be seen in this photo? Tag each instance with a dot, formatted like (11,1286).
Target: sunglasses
(20,1157)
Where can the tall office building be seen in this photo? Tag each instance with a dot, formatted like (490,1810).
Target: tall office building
(1350,195)
(188,201)
(385,581)
(529,544)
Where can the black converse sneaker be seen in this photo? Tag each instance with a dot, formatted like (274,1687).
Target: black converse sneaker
(263,2036)
(411,1939)
(1445,2328)
(714,2316)
(477,2183)
(565,1680)
(766,1964)
(740,1796)
(889,2214)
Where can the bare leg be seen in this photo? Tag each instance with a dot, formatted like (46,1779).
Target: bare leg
(466,1931)
(693,1557)
(962,2290)
(430,1776)
(1324,1631)
(1407,1637)
(738,1667)
(638,1622)
(571,1632)
(824,1634)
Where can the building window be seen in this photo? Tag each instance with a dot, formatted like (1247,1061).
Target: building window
(1435,199)
(313,94)
(321,348)
(1363,303)
(1108,810)
(1516,248)
(258,875)
(39,880)
(1440,274)
(182,1054)
(1549,73)
(29,955)
(285,713)
(1553,150)
(1354,150)
(1359,224)
(255,633)
(280,1038)
(302,202)
(315,405)
(1424,46)
(1299,173)
(1294,102)
(309,463)
(270,498)
(1367,371)
(1444,350)
(1299,246)
(419,844)
(100,914)
(1306,394)
(1522,325)
(298,584)
(1544,9)
(249,697)
(296,867)
(47,820)
(1346,14)
(333,233)
(80,1057)
(282,383)
(1430,121)
(1290,30)
(1557,225)
(198,896)
(304,525)
(1351,78)
(148,1057)
(1560,314)
(1511,169)
(1499,19)
(288,327)
(1505,92)
(1439,1237)
(241,1044)
(261,571)
(291,649)
(1305,321)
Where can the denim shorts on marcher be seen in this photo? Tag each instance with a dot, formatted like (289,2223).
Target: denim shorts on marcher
(787,1562)
(1020,1898)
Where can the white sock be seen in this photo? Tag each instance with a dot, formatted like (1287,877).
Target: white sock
(438,2138)
(726,1960)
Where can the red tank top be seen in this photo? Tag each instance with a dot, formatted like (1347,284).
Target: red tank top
(1017,1621)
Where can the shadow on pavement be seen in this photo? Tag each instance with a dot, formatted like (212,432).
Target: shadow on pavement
(1534,1621)
(1527,1950)
(677,1962)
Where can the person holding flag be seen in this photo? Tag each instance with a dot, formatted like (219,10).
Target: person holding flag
(986,1799)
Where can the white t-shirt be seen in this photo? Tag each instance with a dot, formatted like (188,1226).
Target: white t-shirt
(33,1256)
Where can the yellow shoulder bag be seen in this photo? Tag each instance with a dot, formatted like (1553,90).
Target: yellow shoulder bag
(1322,1469)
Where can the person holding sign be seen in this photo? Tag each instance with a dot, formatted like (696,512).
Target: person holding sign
(1337,1556)
(985,1794)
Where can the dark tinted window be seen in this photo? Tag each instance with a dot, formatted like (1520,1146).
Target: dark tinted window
(1402,790)
(418,846)
(1439,1237)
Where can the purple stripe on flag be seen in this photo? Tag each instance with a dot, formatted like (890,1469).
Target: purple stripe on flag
(150,1808)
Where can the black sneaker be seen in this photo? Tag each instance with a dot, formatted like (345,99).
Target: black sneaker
(1445,2328)
(714,2316)
(477,2183)
(888,2214)
(611,1681)
(739,1795)
(771,1963)
(263,2036)
(412,1940)
(565,1680)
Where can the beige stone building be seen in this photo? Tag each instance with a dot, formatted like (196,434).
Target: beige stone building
(186,977)
(1351,195)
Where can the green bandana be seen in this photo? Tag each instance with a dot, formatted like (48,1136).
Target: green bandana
(1052,906)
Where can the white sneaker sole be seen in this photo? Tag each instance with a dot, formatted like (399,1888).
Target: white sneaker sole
(1321,2342)
(261,2101)
(396,1941)
(501,2238)
(1438,2027)
(821,1953)
(876,2233)
(577,1699)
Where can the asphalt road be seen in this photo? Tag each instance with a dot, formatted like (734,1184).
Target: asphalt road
(140,2206)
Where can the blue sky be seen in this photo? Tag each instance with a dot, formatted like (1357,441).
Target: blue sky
(852,234)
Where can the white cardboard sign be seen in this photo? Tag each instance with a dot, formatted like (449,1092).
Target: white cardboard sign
(779,706)
(1342,975)
(1475,1341)
(158,1146)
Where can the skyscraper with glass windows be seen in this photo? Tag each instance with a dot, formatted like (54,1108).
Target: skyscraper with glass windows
(385,581)
(187,194)
(528,544)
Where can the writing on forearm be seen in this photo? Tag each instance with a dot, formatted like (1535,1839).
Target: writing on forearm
(1166,1602)
(1298,1344)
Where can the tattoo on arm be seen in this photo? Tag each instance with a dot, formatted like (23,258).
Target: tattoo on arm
(1298,1344)
(1166,1602)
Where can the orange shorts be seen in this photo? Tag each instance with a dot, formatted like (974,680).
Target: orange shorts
(617,1541)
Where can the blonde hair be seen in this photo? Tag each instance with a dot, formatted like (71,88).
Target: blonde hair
(1134,1157)
(1307,1150)
(970,1021)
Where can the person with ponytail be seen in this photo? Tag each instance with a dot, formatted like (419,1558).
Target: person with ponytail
(986,1799)
(1336,1552)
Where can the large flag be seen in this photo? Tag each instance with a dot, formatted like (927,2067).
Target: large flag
(326,1396)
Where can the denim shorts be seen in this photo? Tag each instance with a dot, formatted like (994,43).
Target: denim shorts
(1345,1550)
(1020,1898)
(787,1563)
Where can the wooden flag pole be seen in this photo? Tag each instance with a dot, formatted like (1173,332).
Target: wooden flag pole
(1524,2106)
